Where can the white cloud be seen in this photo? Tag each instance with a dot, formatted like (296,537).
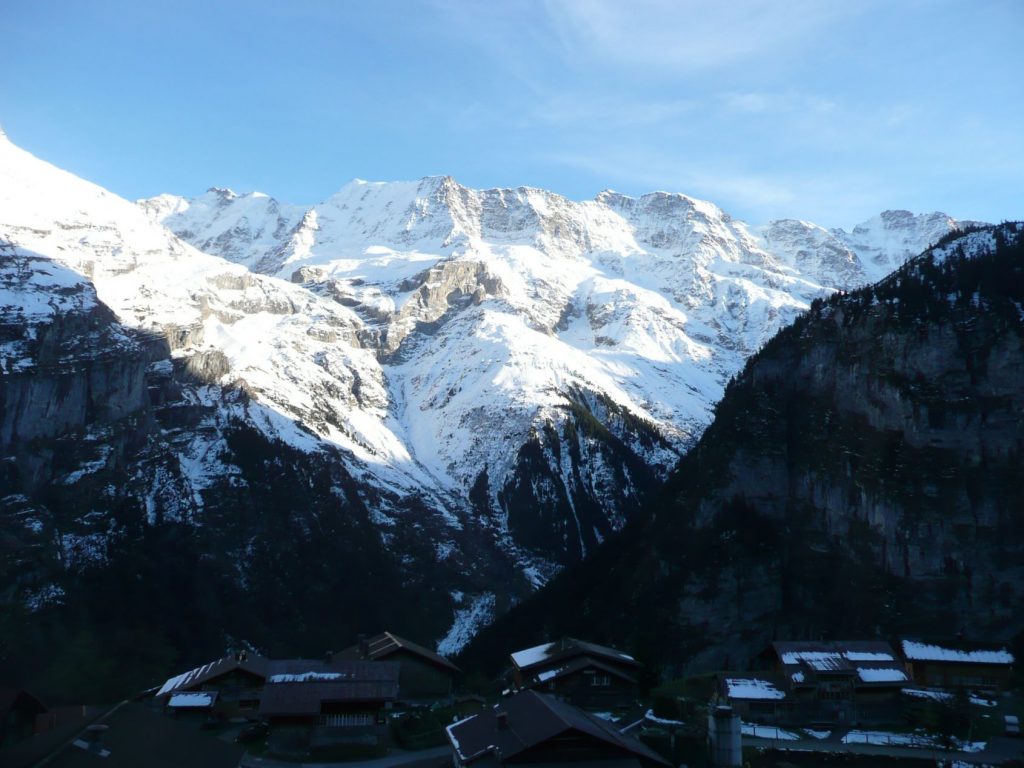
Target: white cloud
(690,36)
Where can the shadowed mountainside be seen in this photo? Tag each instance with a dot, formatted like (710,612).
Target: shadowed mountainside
(861,477)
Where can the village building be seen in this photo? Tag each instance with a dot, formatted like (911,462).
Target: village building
(585,674)
(18,712)
(425,675)
(761,698)
(842,682)
(535,728)
(229,687)
(334,707)
(948,666)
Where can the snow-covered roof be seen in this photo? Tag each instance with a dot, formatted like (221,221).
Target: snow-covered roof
(530,656)
(868,656)
(915,651)
(828,655)
(881,675)
(192,700)
(752,688)
(924,693)
(251,663)
(308,677)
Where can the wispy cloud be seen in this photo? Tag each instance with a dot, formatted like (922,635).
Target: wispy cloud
(690,36)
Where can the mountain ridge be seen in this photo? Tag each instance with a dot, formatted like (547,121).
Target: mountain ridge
(859,478)
(506,373)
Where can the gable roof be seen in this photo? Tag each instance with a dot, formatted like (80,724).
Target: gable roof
(918,651)
(247,662)
(533,718)
(385,644)
(568,647)
(11,697)
(137,735)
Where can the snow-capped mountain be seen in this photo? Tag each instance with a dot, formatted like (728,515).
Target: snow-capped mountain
(508,307)
(502,374)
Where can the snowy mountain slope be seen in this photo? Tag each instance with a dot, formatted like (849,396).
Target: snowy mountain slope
(502,375)
(496,306)
(285,346)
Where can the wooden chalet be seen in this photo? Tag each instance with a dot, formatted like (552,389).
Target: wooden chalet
(957,666)
(585,674)
(330,707)
(425,675)
(229,686)
(539,729)
(757,697)
(856,681)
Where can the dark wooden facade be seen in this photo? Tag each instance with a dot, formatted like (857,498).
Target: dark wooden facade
(339,709)
(953,666)
(590,685)
(425,676)
(945,674)
(585,674)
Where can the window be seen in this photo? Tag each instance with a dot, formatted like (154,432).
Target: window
(601,680)
(347,720)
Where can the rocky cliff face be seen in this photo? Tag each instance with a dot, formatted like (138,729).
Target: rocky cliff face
(523,309)
(861,476)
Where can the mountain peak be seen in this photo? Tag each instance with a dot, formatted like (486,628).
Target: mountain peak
(223,193)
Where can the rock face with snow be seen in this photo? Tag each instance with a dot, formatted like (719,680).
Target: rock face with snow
(861,475)
(490,381)
(596,334)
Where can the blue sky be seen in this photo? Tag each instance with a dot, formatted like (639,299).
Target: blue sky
(828,111)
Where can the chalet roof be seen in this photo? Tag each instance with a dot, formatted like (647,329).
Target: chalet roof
(247,662)
(300,687)
(533,718)
(385,644)
(137,735)
(751,688)
(336,670)
(914,650)
(572,666)
(566,648)
(869,662)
